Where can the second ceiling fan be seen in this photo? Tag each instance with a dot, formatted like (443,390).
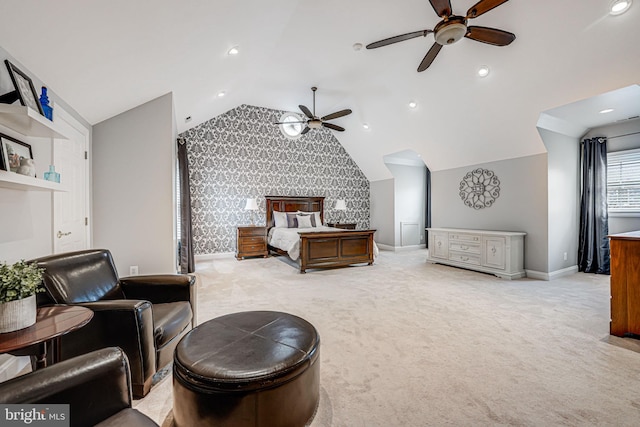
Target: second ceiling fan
(315,122)
(453,28)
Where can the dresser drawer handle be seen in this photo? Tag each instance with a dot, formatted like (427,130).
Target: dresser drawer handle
(464,258)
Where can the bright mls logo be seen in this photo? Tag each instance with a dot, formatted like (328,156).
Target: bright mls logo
(34,415)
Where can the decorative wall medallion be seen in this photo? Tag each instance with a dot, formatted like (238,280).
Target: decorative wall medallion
(479,188)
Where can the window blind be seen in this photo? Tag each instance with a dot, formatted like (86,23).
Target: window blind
(623,181)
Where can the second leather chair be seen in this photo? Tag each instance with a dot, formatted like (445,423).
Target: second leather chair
(144,315)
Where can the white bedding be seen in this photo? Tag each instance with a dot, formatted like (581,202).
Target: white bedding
(288,239)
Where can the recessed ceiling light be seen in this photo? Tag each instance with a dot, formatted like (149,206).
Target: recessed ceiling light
(483,71)
(357,46)
(365,125)
(606,110)
(619,7)
(413,104)
(221,94)
(233,51)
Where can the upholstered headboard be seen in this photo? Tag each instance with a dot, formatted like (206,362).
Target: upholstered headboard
(293,204)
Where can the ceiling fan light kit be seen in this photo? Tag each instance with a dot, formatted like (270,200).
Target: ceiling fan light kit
(315,122)
(450,32)
(453,28)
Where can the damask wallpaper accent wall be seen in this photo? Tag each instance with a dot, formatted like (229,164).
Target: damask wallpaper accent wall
(241,154)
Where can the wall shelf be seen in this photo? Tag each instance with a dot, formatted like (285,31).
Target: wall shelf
(16,181)
(28,122)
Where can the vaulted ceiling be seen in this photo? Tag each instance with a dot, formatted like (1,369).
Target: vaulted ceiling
(104,57)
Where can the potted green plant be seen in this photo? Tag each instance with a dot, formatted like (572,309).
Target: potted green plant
(19,283)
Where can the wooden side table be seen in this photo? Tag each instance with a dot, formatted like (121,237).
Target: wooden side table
(51,323)
(343,225)
(252,241)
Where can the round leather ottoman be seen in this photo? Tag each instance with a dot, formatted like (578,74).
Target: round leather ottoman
(255,368)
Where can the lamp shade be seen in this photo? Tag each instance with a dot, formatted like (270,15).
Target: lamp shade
(340,205)
(252,205)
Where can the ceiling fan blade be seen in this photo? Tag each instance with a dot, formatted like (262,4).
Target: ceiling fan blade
(399,38)
(442,7)
(286,123)
(305,130)
(337,114)
(490,35)
(306,111)
(429,57)
(483,6)
(334,127)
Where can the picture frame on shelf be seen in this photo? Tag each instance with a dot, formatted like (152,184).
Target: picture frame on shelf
(25,90)
(12,152)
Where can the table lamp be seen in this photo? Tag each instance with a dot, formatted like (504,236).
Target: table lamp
(252,206)
(340,206)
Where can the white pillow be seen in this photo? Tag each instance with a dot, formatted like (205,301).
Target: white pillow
(280,219)
(304,221)
(316,216)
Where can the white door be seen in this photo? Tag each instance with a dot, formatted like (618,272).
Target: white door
(71,209)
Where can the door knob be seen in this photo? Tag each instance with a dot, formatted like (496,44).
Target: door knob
(61,234)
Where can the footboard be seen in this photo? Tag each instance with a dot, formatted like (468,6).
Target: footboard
(335,249)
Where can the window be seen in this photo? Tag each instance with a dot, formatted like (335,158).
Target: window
(623,181)
(291,126)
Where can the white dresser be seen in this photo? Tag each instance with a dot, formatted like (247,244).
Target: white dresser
(497,252)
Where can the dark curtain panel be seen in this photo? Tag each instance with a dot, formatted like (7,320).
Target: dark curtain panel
(593,245)
(186,259)
(427,219)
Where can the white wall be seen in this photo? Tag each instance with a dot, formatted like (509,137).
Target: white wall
(134,155)
(382,211)
(521,206)
(410,196)
(564,199)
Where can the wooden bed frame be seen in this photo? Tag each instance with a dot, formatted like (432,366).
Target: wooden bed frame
(322,249)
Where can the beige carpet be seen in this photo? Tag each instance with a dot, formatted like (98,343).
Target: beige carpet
(406,343)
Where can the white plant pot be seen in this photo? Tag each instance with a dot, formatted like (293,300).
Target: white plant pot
(18,314)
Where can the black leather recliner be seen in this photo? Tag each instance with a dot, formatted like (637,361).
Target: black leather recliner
(144,315)
(95,385)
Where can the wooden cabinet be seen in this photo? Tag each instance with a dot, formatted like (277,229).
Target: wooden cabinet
(29,123)
(625,284)
(344,226)
(497,252)
(252,241)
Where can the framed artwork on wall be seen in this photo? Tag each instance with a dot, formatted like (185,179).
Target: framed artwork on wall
(12,152)
(26,92)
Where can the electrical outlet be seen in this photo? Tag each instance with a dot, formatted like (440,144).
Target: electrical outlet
(565,256)
(133,270)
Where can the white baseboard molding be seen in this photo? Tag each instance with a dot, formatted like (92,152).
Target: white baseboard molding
(384,247)
(532,274)
(209,257)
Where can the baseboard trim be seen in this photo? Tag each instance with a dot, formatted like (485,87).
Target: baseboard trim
(209,257)
(384,247)
(532,274)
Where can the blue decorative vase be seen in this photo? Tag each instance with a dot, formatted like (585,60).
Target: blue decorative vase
(44,102)
(52,175)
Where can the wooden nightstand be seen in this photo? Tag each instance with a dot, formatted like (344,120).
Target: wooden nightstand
(252,241)
(344,226)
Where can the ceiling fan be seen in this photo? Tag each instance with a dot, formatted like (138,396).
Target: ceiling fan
(314,122)
(453,28)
